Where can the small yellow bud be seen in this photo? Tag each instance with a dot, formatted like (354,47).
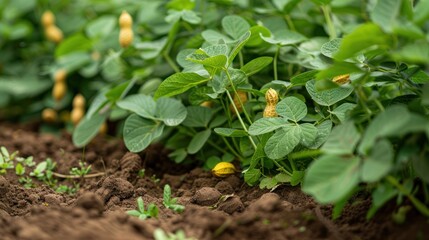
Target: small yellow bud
(207,104)
(60,75)
(59,91)
(341,79)
(79,101)
(272,97)
(223,169)
(125,37)
(54,34)
(49,115)
(77,115)
(48,19)
(125,20)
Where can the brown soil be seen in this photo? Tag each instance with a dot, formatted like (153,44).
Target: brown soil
(216,208)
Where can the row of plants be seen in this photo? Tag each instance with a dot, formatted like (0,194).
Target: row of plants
(330,95)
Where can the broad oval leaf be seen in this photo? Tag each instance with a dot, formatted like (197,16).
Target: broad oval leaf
(198,116)
(327,97)
(140,132)
(342,140)
(266,125)
(140,104)
(198,141)
(379,162)
(235,26)
(331,177)
(179,83)
(309,134)
(323,132)
(171,111)
(292,108)
(88,128)
(283,142)
(230,132)
(256,65)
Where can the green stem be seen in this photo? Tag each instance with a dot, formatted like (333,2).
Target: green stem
(292,164)
(232,149)
(281,167)
(379,105)
(290,22)
(419,205)
(331,29)
(276,55)
(170,62)
(240,119)
(240,57)
(305,154)
(239,99)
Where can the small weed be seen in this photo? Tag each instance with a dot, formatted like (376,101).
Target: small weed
(141,212)
(171,203)
(67,189)
(141,173)
(160,234)
(82,170)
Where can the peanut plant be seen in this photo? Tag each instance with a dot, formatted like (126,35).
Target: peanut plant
(324,94)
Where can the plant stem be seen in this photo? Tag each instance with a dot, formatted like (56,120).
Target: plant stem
(305,154)
(331,28)
(240,119)
(239,99)
(99,174)
(419,205)
(231,148)
(240,57)
(276,55)
(170,62)
(281,167)
(290,22)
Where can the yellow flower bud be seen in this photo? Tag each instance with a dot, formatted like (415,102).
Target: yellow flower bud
(223,169)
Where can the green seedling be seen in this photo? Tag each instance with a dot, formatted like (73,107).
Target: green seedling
(67,189)
(171,203)
(141,212)
(6,160)
(27,182)
(160,234)
(82,170)
(44,172)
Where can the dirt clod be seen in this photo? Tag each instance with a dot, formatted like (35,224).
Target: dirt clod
(224,187)
(266,203)
(90,201)
(231,205)
(115,187)
(4,185)
(206,196)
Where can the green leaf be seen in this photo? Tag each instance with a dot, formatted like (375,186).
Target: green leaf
(338,68)
(365,36)
(179,83)
(421,12)
(297,177)
(379,162)
(255,35)
(151,49)
(382,193)
(198,141)
(304,77)
(342,140)
(284,37)
(268,183)
(292,108)
(235,26)
(230,132)
(75,43)
(282,178)
(309,134)
(385,13)
(140,132)
(171,111)
(266,125)
(198,116)
(421,166)
(342,111)
(88,128)
(101,26)
(238,45)
(331,177)
(330,48)
(140,104)
(178,155)
(413,53)
(322,2)
(383,126)
(114,94)
(252,176)
(327,97)
(283,142)
(98,102)
(256,65)
(167,195)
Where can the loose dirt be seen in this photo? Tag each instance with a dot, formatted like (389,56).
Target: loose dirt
(216,208)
